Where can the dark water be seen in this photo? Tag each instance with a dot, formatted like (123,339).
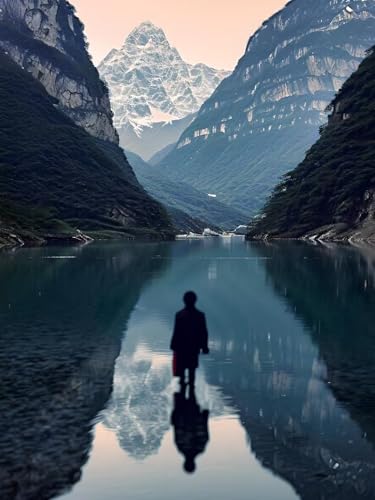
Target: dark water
(87,394)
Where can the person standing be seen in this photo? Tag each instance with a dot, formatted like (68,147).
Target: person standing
(190,337)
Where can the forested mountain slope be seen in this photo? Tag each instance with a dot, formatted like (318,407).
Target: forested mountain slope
(331,193)
(54,178)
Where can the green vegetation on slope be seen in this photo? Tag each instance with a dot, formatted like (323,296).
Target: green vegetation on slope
(54,176)
(333,188)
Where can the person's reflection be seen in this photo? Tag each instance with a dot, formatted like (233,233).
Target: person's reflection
(190,427)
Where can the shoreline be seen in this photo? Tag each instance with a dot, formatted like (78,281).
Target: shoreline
(327,234)
(11,240)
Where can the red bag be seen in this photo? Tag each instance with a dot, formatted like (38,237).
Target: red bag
(174,365)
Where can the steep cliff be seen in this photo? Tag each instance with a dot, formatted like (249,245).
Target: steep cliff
(330,195)
(46,39)
(260,121)
(56,178)
(154,92)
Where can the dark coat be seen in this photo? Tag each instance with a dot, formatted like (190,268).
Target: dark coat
(190,337)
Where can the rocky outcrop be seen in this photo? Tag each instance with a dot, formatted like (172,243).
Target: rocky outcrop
(46,39)
(260,121)
(154,92)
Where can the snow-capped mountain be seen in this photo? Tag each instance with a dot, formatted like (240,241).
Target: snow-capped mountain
(152,86)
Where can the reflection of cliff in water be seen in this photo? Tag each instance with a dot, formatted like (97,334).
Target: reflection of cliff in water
(276,380)
(61,326)
(333,291)
(264,360)
(266,366)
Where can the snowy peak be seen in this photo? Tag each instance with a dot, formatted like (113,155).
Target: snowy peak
(146,35)
(150,83)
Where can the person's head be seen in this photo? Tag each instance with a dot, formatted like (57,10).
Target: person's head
(190,299)
(189,465)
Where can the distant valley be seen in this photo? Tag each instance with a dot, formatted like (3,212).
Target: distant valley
(189,208)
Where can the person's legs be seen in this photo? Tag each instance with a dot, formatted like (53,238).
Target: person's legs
(182,378)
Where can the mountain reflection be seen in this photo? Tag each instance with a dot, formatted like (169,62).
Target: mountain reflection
(139,407)
(324,449)
(264,362)
(61,325)
(333,291)
(292,360)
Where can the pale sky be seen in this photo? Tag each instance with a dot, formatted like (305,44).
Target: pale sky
(214,32)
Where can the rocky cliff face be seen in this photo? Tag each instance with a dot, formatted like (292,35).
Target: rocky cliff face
(331,194)
(153,89)
(46,39)
(261,120)
(69,174)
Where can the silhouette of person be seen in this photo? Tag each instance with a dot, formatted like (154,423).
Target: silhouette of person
(190,428)
(190,337)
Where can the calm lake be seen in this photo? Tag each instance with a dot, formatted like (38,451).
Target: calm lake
(284,406)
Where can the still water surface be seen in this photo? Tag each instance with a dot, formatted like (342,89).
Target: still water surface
(87,396)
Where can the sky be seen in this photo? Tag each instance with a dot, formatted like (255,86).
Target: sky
(214,32)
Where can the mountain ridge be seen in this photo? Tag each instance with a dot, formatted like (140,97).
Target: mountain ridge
(259,122)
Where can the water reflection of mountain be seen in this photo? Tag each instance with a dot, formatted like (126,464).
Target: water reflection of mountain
(139,407)
(296,427)
(61,326)
(142,398)
(333,291)
(265,363)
